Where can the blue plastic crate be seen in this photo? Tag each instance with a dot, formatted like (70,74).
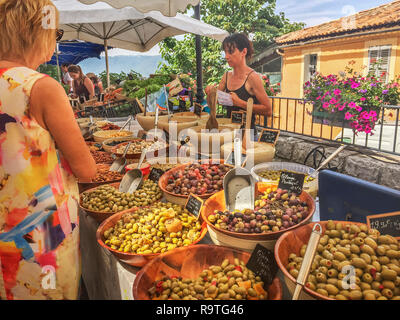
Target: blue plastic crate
(342,197)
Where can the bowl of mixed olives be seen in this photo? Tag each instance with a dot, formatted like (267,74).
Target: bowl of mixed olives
(352,262)
(104,201)
(138,235)
(203,178)
(275,212)
(202,272)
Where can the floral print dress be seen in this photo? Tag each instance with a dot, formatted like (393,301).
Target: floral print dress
(39,234)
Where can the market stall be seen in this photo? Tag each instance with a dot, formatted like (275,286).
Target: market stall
(188,218)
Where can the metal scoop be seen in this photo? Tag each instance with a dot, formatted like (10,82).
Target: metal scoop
(133,179)
(119,164)
(329,159)
(126,123)
(239,184)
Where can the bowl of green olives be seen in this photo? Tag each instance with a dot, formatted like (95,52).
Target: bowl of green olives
(202,272)
(138,235)
(352,262)
(104,201)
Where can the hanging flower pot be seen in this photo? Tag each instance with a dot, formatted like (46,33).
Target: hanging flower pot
(350,100)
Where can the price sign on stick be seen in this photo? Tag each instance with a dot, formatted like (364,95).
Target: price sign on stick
(386,223)
(194,205)
(262,262)
(237,117)
(269,136)
(231,159)
(291,181)
(155,174)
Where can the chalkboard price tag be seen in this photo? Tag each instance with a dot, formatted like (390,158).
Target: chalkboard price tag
(262,262)
(156,174)
(198,109)
(194,205)
(269,136)
(237,117)
(386,223)
(291,181)
(231,159)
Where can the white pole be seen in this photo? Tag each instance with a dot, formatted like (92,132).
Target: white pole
(106,53)
(58,65)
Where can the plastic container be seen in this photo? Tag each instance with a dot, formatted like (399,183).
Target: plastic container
(310,187)
(145,168)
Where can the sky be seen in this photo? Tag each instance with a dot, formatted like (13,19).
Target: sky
(311,12)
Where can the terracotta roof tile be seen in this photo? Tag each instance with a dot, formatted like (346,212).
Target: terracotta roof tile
(383,16)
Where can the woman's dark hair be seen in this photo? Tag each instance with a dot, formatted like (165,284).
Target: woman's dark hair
(93,77)
(239,41)
(77,69)
(65,65)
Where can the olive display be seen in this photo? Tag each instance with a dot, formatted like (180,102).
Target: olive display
(228,281)
(274,175)
(155,229)
(275,210)
(199,179)
(374,258)
(107,198)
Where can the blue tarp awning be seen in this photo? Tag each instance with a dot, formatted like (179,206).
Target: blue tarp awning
(76,51)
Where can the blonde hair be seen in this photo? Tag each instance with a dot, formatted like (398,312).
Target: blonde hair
(22,29)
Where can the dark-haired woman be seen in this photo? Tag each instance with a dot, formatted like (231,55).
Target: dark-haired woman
(243,82)
(82,85)
(98,84)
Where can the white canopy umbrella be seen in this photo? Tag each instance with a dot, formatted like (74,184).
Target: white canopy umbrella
(126,28)
(168,8)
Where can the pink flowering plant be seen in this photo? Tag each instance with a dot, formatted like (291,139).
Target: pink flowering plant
(358,99)
(271,89)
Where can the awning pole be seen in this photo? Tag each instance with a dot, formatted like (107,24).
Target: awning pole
(106,53)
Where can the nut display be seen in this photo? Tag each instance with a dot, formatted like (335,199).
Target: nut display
(224,282)
(138,145)
(275,210)
(101,157)
(109,126)
(107,134)
(94,146)
(199,179)
(155,229)
(374,258)
(103,174)
(108,199)
(274,175)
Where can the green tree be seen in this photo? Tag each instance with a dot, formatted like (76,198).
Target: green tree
(256,18)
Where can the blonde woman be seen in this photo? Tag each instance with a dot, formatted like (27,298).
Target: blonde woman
(39,230)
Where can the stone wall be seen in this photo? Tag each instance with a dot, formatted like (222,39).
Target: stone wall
(359,162)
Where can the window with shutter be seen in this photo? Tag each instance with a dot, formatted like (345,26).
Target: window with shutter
(310,66)
(379,61)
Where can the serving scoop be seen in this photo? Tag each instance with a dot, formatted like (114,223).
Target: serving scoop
(133,179)
(239,184)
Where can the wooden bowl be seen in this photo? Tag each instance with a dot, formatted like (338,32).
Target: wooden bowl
(226,122)
(92,185)
(108,148)
(147,122)
(133,259)
(102,135)
(291,242)
(181,124)
(178,198)
(206,139)
(257,152)
(248,241)
(191,115)
(189,262)
(149,155)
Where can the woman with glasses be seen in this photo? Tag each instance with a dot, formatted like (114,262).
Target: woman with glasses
(43,154)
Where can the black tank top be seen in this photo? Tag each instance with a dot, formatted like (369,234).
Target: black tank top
(243,94)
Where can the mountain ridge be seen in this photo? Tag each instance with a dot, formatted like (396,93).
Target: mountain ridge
(143,64)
